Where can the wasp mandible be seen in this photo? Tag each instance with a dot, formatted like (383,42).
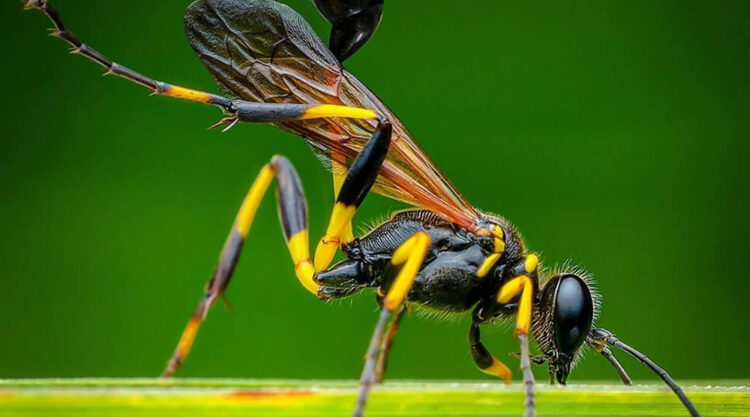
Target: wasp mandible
(442,253)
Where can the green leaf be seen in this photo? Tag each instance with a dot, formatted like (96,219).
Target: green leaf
(222,397)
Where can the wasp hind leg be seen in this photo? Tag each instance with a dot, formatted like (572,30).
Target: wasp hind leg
(339,171)
(405,264)
(235,110)
(293,216)
(356,184)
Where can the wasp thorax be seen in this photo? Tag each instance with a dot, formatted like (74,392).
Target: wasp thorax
(562,321)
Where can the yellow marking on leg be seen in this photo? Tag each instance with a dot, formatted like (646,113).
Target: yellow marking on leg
(523,320)
(411,253)
(331,110)
(187,94)
(511,289)
(487,265)
(338,168)
(499,370)
(530,263)
(250,205)
(519,285)
(499,249)
(404,251)
(187,338)
(341,216)
(348,234)
(298,248)
(305,273)
(498,232)
(499,239)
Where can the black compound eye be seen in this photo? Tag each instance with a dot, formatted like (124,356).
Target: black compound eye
(574,312)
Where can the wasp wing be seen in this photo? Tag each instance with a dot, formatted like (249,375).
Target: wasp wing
(263,51)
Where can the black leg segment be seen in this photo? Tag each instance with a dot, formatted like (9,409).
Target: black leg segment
(290,197)
(363,172)
(358,181)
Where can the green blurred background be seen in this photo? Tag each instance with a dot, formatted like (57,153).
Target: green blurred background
(611,133)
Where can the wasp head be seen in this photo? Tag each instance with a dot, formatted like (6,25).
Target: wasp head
(562,319)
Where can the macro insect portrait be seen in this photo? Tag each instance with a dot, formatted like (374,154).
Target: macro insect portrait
(434,252)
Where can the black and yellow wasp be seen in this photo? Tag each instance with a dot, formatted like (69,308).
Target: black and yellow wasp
(272,68)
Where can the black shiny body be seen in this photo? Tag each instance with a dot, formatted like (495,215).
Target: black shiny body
(448,279)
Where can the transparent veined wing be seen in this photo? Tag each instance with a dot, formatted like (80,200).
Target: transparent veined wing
(263,51)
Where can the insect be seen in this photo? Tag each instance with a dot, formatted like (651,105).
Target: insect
(443,253)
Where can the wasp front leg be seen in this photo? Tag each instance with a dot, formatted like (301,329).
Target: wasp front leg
(484,360)
(515,294)
(354,22)
(524,282)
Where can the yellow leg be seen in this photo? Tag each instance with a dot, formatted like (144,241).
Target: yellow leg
(338,168)
(331,110)
(522,331)
(409,256)
(252,200)
(293,216)
(524,285)
(341,217)
(357,182)
(499,370)
(299,249)
(499,242)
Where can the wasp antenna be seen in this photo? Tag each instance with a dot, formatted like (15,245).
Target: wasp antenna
(615,364)
(610,339)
